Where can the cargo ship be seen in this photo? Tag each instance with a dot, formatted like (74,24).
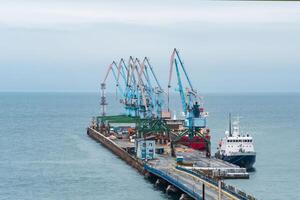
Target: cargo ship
(237,148)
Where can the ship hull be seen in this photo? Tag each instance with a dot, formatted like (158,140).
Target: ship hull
(243,160)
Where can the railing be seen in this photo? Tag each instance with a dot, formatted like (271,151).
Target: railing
(228,188)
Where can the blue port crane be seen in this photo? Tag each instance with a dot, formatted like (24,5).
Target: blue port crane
(132,96)
(142,94)
(116,71)
(126,84)
(191,102)
(137,87)
(153,99)
(157,91)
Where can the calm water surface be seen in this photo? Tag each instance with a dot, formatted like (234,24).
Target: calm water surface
(45,153)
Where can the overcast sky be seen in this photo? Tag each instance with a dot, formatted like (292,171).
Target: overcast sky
(226,46)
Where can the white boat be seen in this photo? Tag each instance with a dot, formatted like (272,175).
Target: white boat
(236,147)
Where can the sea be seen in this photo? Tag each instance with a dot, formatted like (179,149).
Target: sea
(45,153)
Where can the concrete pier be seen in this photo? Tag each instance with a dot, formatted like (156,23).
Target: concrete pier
(178,179)
(111,145)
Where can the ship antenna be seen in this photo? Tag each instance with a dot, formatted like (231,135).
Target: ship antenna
(230,133)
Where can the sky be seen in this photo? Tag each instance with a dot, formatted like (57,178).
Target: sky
(227,46)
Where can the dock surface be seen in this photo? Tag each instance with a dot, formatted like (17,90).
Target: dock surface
(189,183)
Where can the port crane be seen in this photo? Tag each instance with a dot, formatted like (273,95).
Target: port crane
(191,102)
(138,88)
(116,71)
(132,97)
(127,85)
(152,88)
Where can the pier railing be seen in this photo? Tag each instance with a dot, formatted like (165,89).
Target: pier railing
(228,188)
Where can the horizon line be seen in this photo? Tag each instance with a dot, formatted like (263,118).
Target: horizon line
(110,92)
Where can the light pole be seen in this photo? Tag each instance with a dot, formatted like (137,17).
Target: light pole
(218,177)
(219,187)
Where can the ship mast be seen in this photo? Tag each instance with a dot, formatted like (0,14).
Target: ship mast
(230,132)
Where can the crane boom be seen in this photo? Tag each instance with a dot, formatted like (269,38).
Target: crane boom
(181,92)
(183,68)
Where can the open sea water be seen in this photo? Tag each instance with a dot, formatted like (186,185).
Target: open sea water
(46,154)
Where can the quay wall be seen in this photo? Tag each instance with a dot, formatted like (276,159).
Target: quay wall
(112,146)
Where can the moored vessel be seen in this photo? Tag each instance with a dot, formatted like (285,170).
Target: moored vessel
(237,148)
